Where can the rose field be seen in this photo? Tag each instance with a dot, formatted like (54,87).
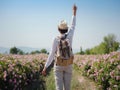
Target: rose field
(103,69)
(23,72)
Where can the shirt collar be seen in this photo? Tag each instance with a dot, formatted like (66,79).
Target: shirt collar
(62,35)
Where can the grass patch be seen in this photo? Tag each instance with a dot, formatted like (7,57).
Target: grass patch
(50,81)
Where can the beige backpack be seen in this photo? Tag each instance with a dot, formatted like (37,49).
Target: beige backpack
(64,55)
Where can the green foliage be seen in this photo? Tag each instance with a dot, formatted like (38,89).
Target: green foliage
(20,52)
(87,51)
(108,45)
(15,50)
(81,51)
(35,52)
(43,51)
(38,52)
(111,43)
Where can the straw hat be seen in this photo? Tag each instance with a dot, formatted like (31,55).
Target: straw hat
(63,25)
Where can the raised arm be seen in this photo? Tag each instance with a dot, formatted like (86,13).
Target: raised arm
(73,23)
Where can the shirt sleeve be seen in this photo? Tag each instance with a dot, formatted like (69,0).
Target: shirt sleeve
(52,53)
(72,28)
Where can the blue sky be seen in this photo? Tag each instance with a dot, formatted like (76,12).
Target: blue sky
(33,23)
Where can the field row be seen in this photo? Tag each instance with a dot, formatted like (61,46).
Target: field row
(103,69)
(22,72)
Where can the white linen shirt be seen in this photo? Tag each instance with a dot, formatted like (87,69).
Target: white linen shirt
(56,42)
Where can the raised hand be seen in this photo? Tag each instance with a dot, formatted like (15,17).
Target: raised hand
(74,9)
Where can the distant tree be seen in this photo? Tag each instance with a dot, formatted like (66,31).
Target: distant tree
(35,52)
(26,53)
(32,52)
(81,51)
(108,45)
(14,50)
(43,51)
(94,50)
(111,43)
(102,48)
(87,51)
(20,52)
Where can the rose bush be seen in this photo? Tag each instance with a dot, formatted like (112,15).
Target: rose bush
(103,69)
(19,72)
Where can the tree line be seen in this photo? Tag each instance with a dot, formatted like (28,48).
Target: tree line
(15,50)
(109,44)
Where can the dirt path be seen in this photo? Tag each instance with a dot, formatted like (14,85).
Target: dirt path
(84,82)
(87,84)
(78,82)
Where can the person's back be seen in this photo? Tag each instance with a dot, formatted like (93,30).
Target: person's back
(62,53)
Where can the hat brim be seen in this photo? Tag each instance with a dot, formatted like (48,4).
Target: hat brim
(60,28)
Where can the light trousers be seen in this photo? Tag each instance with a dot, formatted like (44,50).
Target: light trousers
(63,75)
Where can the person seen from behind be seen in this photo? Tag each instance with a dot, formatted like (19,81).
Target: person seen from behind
(62,53)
